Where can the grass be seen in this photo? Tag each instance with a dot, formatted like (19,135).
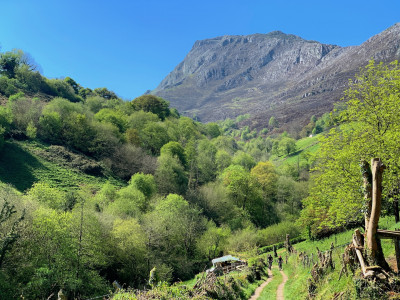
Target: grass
(307,145)
(250,288)
(269,292)
(298,275)
(21,168)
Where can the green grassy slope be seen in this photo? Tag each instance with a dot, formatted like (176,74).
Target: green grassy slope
(296,286)
(22,163)
(306,147)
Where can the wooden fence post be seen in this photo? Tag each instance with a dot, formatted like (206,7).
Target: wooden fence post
(367,185)
(377,168)
(397,249)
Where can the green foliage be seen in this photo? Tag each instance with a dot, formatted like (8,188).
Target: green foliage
(62,89)
(11,61)
(47,195)
(170,175)
(245,192)
(243,240)
(176,150)
(243,159)
(273,122)
(153,137)
(289,196)
(277,233)
(266,176)
(213,130)
(130,242)
(286,146)
(206,161)
(153,104)
(212,243)
(25,113)
(172,228)
(370,129)
(105,93)
(222,160)
(58,262)
(129,202)
(112,116)
(144,183)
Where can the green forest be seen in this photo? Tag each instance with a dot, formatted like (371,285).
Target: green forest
(95,189)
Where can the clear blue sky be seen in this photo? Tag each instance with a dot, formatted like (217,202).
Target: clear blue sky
(130,46)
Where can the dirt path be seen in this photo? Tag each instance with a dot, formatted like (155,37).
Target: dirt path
(258,291)
(279,291)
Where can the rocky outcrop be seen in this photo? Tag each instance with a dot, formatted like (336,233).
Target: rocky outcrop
(269,74)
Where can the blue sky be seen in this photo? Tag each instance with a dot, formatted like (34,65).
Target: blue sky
(130,46)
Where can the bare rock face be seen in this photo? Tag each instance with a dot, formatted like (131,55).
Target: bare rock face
(269,74)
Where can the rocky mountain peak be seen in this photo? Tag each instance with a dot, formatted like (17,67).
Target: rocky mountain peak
(268,74)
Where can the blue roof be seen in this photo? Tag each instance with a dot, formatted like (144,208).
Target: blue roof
(224,258)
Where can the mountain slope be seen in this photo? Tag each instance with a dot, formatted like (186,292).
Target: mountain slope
(269,74)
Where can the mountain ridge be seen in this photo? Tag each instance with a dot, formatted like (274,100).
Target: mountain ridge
(269,74)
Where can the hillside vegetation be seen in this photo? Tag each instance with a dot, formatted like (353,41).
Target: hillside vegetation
(96,189)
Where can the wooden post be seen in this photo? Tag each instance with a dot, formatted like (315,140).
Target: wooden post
(367,184)
(396,209)
(397,249)
(357,245)
(288,245)
(377,168)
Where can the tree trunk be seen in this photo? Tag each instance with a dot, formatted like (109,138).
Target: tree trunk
(396,209)
(367,179)
(377,170)
(373,243)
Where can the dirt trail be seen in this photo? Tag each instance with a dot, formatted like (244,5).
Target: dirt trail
(279,291)
(258,291)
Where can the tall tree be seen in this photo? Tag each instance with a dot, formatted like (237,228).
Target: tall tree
(369,127)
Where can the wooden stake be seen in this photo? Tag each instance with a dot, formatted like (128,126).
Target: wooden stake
(377,168)
(367,183)
(356,242)
(397,249)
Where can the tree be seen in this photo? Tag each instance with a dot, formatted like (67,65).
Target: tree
(10,222)
(170,175)
(175,149)
(239,184)
(212,243)
(112,116)
(153,104)
(153,137)
(222,160)
(12,60)
(73,84)
(266,176)
(286,146)
(172,229)
(206,160)
(130,242)
(244,159)
(370,127)
(105,93)
(213,130)
(273,122)
(144,183)
(129,202)
(47,195)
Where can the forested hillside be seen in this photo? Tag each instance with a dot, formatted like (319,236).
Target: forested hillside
(96,189)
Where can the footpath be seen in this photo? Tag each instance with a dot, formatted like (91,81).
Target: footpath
(279,291)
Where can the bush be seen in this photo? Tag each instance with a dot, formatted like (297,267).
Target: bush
(277,233)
